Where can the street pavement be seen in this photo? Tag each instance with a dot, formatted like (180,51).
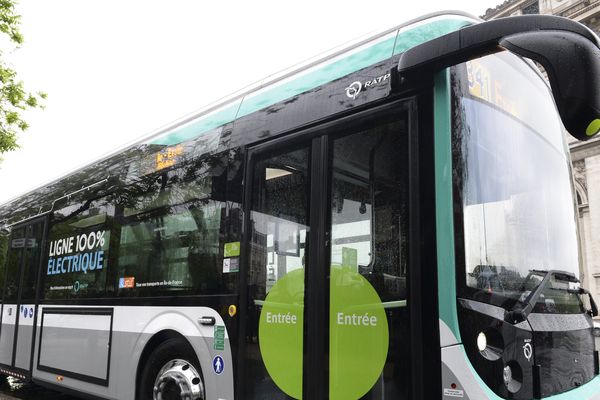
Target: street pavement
(12,389)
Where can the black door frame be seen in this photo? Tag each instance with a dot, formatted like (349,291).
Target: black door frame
(423,313)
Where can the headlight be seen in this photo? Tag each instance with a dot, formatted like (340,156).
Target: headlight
(490,344)
(481,341)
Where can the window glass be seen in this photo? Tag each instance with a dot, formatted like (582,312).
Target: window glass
(78,250)
(513,179)
(31,261)
(173,233)
(13,267)
(4,245)
(369,228)
(279,226)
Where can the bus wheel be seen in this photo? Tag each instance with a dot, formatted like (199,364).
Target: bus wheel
(172,372)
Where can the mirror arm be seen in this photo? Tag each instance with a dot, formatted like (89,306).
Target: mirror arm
(568,51)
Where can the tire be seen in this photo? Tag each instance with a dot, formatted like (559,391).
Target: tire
(172,372)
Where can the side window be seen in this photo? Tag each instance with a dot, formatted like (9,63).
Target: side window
(16,249)
(173,238)
(78,250)
(31,261)
(4,241)
(370,207)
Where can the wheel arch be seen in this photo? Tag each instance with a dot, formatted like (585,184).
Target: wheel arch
(158,338)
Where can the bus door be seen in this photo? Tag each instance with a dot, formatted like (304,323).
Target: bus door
(19,309)
(326,262)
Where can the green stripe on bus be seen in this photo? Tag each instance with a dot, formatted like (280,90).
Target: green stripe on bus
(329,72)
(200,126)
(443,201)
(427,32)
(354,62)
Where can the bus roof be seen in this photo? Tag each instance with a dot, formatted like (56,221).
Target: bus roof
(325,68)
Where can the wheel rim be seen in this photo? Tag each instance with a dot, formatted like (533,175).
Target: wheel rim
(178,380)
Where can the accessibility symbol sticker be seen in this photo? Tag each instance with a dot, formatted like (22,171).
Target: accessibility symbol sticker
(218,365)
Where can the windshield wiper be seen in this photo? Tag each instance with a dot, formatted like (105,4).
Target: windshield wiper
(519,313)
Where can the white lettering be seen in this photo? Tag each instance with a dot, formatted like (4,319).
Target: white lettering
(356,320)
(91,241)
(282,318)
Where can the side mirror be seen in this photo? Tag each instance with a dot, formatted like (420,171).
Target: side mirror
(568,51)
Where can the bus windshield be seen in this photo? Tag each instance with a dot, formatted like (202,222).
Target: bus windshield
(512,185)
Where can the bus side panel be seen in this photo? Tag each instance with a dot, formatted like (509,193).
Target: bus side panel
(132,329)
(76,344)
(7,333)
(25,336)
(184,320)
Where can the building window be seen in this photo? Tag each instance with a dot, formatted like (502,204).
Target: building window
(533,8)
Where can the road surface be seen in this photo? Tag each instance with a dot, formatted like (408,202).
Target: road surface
(12,389)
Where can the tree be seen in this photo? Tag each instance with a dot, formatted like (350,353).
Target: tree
(13,97)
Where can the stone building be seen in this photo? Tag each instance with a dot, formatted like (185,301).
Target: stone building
(585,156)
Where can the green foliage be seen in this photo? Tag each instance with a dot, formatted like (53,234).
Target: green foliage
(13,97)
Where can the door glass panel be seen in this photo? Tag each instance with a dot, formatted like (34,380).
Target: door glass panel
(31,261)
(369,320)
(4,246)
(277,258)
(30,266)
(17,247)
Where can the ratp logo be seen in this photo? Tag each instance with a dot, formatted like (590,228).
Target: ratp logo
(528,351)
(357,87)
(354,89)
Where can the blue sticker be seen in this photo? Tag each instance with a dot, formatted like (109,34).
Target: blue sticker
(218,365)
(121,283)
(31,312)
(22,308)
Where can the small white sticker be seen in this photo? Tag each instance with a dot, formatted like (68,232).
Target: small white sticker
(454,393)
(226,265)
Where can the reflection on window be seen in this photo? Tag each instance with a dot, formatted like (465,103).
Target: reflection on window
(170,233)
(4,245)
(78,255)
(369,231)
(278,247)
(369,207)
(172,238)
(514,181)
(279,219)
(16,247)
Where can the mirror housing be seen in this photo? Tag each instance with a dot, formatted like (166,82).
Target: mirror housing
(565,48)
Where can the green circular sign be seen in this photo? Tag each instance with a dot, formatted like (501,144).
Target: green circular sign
(359,336)
(281,332)
(358,340)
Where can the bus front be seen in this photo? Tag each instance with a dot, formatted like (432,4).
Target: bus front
(515,233)
(518,322)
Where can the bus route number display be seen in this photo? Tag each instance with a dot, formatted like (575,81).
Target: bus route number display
(82,253)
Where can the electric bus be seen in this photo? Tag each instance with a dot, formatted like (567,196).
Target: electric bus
(392,221)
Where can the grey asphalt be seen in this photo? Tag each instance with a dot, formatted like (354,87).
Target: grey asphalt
(12,389)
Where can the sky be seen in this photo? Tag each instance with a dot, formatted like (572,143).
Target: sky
(116,70)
